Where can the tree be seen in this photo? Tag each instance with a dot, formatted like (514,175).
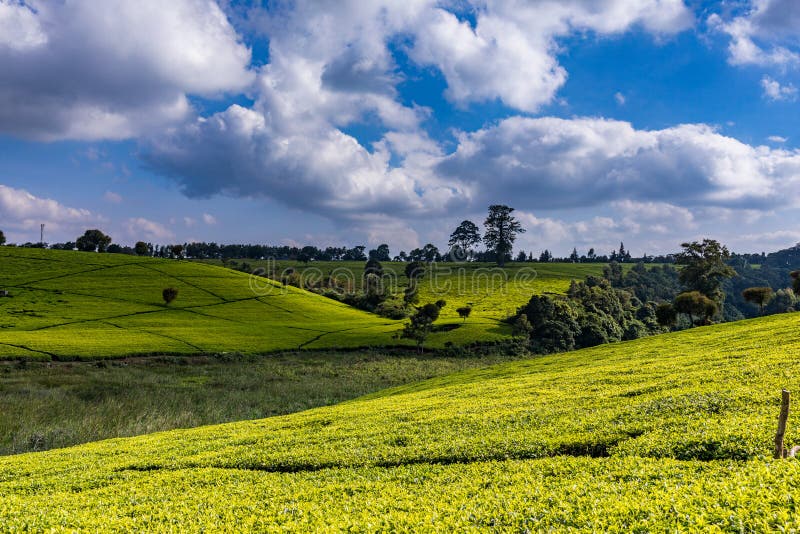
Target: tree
(522,327)
(591,254)
(414,271)
(141,248)
(696,305)
(2,238)
(545,257)
(169,294)
(93,241)
(176,251)
(613,273)
(666,315)
(421,324)
(373,266)
(574,258)
(704,268)
(463,238)
(760,296)
(795,281)
(381,253)
(501,231)
(464,312)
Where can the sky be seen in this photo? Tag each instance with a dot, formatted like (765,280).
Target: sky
(342,122)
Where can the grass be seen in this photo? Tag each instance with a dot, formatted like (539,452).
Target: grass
(671,432)
(48,405)
(73,305)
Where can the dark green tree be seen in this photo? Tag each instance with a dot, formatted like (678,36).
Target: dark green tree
(414,271)
(698,307)
(464,312)
(463,238)
(2,238)
(381,253)
(760,296)
(93,241)
(141,248)
(373,266)
(421,324)
(574,258)
(169,294)
(522,327)
(666,314)
(501,231)
(795,281)
(704,268)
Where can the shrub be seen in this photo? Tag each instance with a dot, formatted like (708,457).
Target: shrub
(464,312)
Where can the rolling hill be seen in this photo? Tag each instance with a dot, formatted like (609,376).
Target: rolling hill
(672,432)
(68,305)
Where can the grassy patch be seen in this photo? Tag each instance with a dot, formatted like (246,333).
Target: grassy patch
(47,405)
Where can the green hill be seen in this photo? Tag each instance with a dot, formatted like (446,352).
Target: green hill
(66,305)
(493,292)
(672,432)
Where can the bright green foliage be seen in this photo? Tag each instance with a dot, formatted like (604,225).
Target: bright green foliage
(75,305)
(666,433)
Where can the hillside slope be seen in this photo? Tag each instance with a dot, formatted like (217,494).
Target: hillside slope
(71,304)
(671,432)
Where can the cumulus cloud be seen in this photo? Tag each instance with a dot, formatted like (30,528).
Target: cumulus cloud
(510,51)
(774,91)
(112,69)
(767,34)
(141,229)
(258,155)
(209,219)
(558,163)
(21,213)
(19,28)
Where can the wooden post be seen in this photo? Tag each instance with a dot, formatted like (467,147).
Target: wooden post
(779,451)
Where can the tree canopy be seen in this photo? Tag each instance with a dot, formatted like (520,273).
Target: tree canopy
(93,241)
(704,267)
(501,231)
(463,238)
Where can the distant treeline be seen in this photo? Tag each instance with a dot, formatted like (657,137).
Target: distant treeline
(788,258)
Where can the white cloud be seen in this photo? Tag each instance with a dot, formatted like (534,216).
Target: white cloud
(510,53)
(141,229)
(774,91)
(112,69)
(620,98)
(777,139)
(22,213)
(19,27)
(209,219)
(555,163)
(767,34)
(112,197)
(189,222)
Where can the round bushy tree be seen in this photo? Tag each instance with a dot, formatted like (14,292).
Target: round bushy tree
(169,294)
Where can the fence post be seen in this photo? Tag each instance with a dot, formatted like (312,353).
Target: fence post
(779,451)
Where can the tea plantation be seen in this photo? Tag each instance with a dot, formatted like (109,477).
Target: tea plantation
(667,433)
(74,305)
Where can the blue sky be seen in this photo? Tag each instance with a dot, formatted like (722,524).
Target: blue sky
(645,121)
